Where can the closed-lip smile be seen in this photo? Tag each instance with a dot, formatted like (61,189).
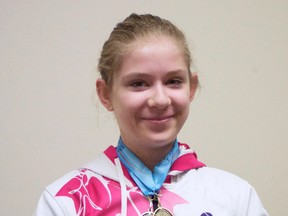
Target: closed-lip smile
(158,118)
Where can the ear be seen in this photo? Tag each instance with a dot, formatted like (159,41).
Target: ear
(194,82)
(103,92)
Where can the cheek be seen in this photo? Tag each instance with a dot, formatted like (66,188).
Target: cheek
(127,105)
(182,100)
(183,109)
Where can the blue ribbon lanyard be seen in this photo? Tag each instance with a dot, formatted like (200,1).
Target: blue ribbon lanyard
(149,182)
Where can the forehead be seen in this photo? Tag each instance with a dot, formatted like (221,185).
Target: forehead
(154,40)
(153,54)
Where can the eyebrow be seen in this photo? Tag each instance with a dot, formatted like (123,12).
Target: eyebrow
(135,75)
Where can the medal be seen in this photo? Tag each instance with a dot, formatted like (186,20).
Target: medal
(162,212)
(155,204)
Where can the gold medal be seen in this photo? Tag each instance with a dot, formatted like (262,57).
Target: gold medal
(162,212)
(159,212)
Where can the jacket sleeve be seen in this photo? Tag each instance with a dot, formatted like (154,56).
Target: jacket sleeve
(48,206)
(254,205)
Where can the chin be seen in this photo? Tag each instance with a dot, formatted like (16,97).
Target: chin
(160,140)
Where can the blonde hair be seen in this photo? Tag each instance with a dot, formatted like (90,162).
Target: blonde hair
(136,27)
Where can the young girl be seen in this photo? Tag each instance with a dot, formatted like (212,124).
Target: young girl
(147,83)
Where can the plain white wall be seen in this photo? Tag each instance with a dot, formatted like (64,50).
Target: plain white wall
(51,121)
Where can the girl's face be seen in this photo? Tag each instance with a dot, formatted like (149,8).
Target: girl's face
(151,93)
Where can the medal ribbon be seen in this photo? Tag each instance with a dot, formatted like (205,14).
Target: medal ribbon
(149,182)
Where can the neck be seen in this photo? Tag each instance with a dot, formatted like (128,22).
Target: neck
(151,157)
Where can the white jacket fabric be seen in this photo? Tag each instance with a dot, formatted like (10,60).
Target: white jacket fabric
(105,188)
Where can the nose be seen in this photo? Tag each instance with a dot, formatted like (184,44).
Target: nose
(159,98)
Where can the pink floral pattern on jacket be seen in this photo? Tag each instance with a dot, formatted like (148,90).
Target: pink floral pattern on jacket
(96,195)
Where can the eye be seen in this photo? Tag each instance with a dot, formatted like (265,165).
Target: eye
(138,84)
(175,82)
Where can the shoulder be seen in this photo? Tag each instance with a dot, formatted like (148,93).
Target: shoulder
(66,195)
(216,178)
(220,191)
(206,180)
(218,174)
(99,168)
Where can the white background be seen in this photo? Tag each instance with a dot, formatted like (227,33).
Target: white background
(51,121)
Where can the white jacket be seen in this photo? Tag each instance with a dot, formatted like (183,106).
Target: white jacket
(104,187)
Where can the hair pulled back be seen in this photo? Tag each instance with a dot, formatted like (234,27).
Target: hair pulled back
(136,27)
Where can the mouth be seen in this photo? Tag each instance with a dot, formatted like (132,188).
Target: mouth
(158,118)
